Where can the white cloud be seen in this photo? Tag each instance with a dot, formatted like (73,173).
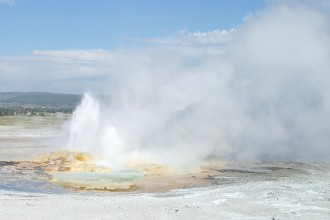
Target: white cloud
(96,55)
(67,71)
(187,38)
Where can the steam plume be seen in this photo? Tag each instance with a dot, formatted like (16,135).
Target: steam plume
(265,95)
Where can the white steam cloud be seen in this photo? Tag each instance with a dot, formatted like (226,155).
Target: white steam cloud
(265,95)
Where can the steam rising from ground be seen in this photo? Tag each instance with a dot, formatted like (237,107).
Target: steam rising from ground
(265,95)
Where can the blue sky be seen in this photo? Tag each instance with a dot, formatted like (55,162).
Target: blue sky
(70,46)
(28,25)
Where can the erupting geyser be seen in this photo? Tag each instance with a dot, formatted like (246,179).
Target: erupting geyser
(264,95)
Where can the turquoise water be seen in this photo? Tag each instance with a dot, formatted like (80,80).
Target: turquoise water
(120,180)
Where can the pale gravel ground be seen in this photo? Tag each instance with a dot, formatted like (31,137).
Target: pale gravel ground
(302,196)
(24,137)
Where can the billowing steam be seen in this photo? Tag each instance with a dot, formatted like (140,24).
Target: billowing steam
(265,95)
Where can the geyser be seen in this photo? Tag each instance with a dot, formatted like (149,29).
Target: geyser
(264,95)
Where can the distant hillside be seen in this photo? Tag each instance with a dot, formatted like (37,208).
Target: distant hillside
(36,103)
(39,99)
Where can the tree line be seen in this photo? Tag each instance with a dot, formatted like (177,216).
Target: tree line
(10,111)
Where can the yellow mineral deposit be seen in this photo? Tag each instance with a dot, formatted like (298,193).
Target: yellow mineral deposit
(152,169)
(68,160)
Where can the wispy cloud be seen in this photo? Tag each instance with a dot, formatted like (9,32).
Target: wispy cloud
(54,71)
(86,56)
(188,38)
